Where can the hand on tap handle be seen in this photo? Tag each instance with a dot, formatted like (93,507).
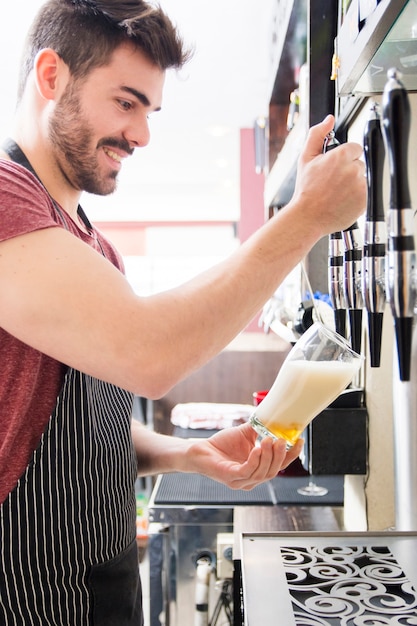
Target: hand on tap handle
(352,269)
(375,240)
(401,250)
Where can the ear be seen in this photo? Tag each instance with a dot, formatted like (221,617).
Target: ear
(51,73)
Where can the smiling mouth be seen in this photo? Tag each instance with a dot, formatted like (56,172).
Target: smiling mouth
(113,155)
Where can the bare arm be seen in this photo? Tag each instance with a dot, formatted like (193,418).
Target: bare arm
(62,298)
(230,457)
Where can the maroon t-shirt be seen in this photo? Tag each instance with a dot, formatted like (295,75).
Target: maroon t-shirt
(30,381)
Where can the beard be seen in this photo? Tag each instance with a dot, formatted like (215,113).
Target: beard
(71,137)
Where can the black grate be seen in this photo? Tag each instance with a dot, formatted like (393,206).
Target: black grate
(180,488)
(188,489)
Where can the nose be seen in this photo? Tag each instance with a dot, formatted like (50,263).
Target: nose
(138,134)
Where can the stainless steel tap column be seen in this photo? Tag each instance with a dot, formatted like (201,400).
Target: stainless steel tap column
(353,283)
(335,281)
(401,251)
(335,267)
(401,293)
(375,240)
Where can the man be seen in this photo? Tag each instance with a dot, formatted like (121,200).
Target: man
(76,342)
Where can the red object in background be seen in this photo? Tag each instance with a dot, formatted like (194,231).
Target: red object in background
(296,468)
(258,396)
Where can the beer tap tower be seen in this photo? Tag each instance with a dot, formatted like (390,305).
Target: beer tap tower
(388,275)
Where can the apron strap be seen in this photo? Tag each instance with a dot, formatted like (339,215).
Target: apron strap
(17,155)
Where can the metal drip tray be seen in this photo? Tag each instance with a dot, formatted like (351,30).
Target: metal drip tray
(336,579)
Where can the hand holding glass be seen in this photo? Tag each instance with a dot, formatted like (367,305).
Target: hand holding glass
(318,368)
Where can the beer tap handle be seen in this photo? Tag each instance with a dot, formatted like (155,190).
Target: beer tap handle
(352,269)
(375,239)
(396,125)
(401,249)
(335,267)
(374,152)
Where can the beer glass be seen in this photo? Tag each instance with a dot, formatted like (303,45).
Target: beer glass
(318,368)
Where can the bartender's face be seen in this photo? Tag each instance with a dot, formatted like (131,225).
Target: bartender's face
(100,120)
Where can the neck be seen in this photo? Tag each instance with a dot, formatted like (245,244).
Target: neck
(31,133)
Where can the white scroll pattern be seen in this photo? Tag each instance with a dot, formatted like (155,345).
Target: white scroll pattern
(348,586)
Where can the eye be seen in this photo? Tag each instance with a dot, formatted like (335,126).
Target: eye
(125,105)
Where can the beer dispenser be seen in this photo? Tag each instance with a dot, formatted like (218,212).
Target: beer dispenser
(375,237)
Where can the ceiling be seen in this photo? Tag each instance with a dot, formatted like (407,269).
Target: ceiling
(190,170)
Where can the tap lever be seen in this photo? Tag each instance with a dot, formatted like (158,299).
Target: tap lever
(374,250)
(374,153)
(330,141)
(401,250)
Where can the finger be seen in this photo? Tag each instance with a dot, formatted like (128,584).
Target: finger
(293,453)
(282,457)
(263,463)
(347,152)
(353,151)
(315,138)
(279,455)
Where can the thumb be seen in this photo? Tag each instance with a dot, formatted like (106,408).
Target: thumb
(316,137)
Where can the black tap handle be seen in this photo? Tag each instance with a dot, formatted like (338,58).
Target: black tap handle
(397,121)
(374,249)
(401,249)
(354,226)
(374,152)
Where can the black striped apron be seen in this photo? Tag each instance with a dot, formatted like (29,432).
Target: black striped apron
(68,554)
(67,531)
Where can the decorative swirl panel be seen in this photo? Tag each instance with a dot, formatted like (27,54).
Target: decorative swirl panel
(348,586)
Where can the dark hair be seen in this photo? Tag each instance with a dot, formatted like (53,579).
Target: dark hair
(85,33)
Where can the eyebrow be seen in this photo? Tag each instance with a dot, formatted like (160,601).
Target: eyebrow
(139,96)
